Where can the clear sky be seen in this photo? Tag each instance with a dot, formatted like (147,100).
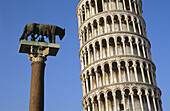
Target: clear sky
(63,90)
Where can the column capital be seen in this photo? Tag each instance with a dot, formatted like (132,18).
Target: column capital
(96,71)
(98,98)
(118,63)
(147,68)
(110,64)
(127,64)
(130,39)
(137,41)
(105,95)
(141,65)
(123,92)
(153,95)
(146,93)
(142,44)
(86,77)
(134,64)
(131,93)
(82,31)
(90,74)
(115,39)
(139,93)
(102,66)
(84,80)
(123,39)
(88,103)
(113,93)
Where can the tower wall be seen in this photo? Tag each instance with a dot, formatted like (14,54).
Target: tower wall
(117,68)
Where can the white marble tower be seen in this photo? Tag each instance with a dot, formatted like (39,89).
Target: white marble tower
(117,69)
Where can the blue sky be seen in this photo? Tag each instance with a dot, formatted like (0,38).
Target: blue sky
(63,90)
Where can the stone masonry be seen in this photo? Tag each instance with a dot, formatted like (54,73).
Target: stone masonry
(117,69)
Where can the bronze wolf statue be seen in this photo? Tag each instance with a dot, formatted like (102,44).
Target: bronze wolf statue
(44,30)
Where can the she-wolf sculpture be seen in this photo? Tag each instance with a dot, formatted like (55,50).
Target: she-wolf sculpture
(44,30)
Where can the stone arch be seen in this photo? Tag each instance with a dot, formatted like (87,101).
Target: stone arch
(102,25)
(104,48)
(109,23)
(116,23)
(95,27)
(119,46)
(99,6)
(124,24)
(112,46)
(131,28)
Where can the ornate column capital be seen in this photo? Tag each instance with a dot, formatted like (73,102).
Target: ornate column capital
(134,64)
(96,71)
(105,95)
(130,39)
(113,93)
(123,92)
(88,103)
(98,97)
(92,100)
(90,74)
(146,93)
(141,65)
(153,95)
(86,77)
(139,93)
(38,53)
(118,64)
(123,39)
(137,41)
(131,93)
(127,64)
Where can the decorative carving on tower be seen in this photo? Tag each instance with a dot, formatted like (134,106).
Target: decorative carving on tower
(117,69)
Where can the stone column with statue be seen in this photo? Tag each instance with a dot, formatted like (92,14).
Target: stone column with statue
(37,52)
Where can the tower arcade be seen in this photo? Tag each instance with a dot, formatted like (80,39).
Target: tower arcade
(117,69)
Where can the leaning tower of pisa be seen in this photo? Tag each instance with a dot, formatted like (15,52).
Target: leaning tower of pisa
(117,69)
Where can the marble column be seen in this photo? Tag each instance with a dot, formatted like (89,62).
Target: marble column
(132,98)
(140,98)
(91,81)
(148,102)
(142,71)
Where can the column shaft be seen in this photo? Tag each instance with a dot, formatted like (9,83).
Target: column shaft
(106,100)
(143,76)
(116,53)
(97,80)
(91,81)
(101,50)
(140,98)
(108,49)
(133,105)
(137,43)
(115,104)
(87,85)
(131,46)
(148,102)
(37,86)
(124,48)
(120,75)
(127,69)
(136,75)
(111,73)
(147,68)
(154,103)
